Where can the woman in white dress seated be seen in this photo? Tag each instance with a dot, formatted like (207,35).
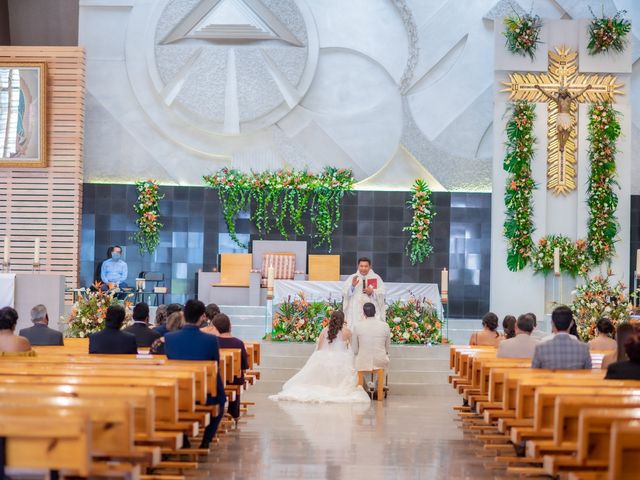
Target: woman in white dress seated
(329,375)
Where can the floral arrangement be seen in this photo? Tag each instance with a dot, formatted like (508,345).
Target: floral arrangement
(415,321)
(598,298)
(518,225)
(604,130)
(608,33)
(280,198)
(300,320)
(148,209)
(419,246)
(576,258)
(88,313)
(522,33)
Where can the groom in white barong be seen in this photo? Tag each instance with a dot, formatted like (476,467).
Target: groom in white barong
(365,286)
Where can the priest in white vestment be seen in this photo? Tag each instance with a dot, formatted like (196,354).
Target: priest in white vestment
(365,286)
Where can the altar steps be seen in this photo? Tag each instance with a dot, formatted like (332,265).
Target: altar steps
(414,370)
(247,322)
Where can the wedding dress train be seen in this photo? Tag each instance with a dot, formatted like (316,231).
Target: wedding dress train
(328,376)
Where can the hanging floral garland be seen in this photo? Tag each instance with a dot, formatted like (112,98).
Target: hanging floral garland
(522,33)
(576,257)
(518,225)
(419,246)
(148,209)
(280,199)
(608,33)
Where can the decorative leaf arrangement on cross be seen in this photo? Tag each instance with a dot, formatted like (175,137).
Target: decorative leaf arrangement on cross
(562,87)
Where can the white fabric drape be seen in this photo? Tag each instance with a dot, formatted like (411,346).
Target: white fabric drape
(7,289)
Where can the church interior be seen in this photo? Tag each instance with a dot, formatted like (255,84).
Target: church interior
(319,239)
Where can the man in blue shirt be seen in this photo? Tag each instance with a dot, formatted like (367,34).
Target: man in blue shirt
(114,270)
(192,344)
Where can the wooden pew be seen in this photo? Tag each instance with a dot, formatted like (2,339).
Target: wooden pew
(593,440)
(624,453)
(46,442)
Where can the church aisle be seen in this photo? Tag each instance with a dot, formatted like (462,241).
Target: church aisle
(406,437)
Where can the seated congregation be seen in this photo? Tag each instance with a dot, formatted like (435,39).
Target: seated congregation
(113,410)
(551,406)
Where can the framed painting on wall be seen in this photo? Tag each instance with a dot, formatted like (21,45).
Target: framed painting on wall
(23,104)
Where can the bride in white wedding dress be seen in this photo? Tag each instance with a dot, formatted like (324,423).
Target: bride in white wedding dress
(329,375)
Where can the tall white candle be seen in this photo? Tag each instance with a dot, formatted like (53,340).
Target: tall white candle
(36,252)
(444,282)
(638,262)
(556,261)
(270,276)
(7,254)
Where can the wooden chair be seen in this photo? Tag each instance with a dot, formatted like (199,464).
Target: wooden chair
(324,268)
(234,270)
(380,381)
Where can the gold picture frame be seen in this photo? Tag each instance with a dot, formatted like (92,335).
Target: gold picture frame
(23,114)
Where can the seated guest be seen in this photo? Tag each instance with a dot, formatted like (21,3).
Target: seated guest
(509,326)
(112,340)
(173,323)
(114,270)
(211,311)
(171,308)
(537,333)
(523,344)
(563,351)
(603,340)
(488,335)
(623,333)
(9,341)
(161,319)
(370,341)
(225,340)
(627,369)
(192,344)
(40,333)
(140,328)
(97,277)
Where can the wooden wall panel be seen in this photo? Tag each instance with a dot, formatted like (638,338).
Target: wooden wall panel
(47,202)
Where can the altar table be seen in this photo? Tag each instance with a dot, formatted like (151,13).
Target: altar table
(315,291)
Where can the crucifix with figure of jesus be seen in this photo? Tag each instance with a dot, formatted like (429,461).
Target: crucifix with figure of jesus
(562,87)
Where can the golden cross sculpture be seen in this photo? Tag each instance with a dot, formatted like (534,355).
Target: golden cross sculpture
(562,88)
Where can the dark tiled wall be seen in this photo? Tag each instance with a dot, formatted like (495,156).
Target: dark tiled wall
(194,233)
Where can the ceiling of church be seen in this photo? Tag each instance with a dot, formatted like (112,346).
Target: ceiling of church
(182,87)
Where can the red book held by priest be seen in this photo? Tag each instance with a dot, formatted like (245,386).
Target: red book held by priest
(372,282)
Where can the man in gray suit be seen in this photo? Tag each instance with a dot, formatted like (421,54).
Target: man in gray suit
(523,344)
(40,333)
(563,351)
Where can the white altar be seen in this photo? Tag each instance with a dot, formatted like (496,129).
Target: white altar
(314,291)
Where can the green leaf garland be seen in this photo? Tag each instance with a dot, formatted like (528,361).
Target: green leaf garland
(518,197)
(148,209)
(419,246)
(281,198)
(576,257)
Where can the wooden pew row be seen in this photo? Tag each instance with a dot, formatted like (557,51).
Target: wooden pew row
(523,397)
(45,442)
